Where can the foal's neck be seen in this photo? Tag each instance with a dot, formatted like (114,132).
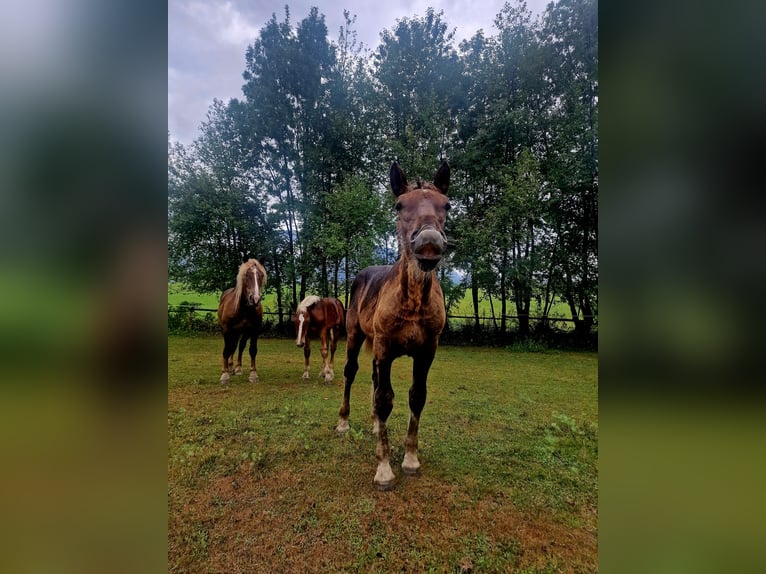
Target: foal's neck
(415,283)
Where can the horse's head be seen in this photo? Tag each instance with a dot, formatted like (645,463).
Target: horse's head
(302,320)
(422,209)
(250,281)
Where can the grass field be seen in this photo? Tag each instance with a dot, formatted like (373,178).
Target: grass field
(178,293)
(259,482)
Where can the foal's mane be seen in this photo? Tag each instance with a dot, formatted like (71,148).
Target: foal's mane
(243,270)
(307,302)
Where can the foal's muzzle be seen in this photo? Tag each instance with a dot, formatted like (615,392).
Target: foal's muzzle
(428,245)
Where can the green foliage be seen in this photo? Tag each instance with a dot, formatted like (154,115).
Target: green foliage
(297,170)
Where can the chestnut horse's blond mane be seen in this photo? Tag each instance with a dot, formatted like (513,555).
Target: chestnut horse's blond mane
(243,270)
(307,302)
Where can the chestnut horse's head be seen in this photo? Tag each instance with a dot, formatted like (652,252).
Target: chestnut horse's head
(303,319)
(422,209)
(250,281)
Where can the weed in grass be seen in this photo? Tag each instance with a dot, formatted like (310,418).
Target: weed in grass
(198,541)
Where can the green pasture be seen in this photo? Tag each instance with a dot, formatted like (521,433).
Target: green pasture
(258,479)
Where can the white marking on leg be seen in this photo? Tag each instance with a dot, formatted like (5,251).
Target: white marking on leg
(253,378)
(238,370)
(225,377)
(410,464)
(342,426)
(384,476)
(375,425)
(300,329)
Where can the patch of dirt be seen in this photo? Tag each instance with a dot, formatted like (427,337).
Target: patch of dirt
(310,520)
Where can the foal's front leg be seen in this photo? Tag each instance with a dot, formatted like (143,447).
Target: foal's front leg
(353,346)
(420,366)
(383,403)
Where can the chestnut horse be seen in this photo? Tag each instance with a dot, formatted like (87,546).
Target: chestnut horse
(319,317)
(240,314)
(400,310)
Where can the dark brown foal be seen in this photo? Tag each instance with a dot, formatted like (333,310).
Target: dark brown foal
(400,309)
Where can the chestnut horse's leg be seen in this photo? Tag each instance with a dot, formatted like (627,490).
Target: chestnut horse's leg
(353,346)
(323,335)
(334,333)
(253,378)
(383,403)
(420,366)
(242,345)
(229,346)
(306,355)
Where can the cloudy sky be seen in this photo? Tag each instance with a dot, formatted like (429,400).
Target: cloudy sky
(207,40)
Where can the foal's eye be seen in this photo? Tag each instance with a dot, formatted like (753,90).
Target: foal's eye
(398,206)
(447,207)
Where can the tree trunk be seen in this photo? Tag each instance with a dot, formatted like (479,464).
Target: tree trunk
(475,301)
(347,280)
(278,285)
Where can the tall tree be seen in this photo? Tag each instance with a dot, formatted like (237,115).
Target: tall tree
(570,36)
(417,74)
(215,216)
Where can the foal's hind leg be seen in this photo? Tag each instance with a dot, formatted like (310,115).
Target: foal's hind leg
(420,366)
(353,346)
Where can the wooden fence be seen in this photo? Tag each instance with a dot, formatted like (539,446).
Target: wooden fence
(192,309)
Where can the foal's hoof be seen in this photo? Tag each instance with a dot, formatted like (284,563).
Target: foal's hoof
(305,376)
(384,477)
(342,427)
(225,377)
(238,371)
(411,470)
(328,378)
(410,465)
(253,378)
(384,486)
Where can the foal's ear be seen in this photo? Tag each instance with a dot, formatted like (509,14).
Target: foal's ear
(398,180)
(441,179)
